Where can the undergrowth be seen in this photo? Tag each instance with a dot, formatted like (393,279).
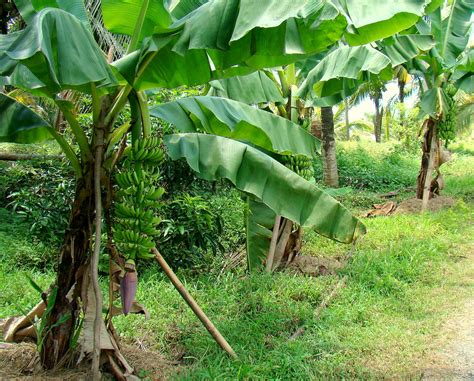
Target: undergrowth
(402,282)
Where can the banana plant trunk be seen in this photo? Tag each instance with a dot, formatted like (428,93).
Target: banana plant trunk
(331,175)
(62,321)
(429,163)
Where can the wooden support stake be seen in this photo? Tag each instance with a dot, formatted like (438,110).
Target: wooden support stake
(273,242)
(193,305)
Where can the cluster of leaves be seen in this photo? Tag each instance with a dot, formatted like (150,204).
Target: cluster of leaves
(191,230)
(405,126)
(41,193)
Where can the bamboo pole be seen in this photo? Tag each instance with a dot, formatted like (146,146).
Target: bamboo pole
(193,304)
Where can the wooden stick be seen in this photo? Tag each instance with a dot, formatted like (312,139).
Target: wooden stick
(95,371)
(322,306)
(273,242)
(193,305)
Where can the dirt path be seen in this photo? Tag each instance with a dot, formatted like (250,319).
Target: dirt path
(456,360)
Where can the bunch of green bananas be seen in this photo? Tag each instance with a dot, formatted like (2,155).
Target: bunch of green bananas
(300,164)
(138,199)
(447,125)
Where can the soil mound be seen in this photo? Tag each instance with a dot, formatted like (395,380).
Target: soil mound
(413,205)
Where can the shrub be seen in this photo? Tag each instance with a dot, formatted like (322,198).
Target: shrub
(190,229)
(380,168)
(41,193)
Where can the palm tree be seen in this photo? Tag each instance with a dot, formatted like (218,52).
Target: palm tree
(331,176)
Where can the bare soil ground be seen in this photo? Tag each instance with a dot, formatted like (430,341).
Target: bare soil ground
(413,205)
(456,360)
(20,362)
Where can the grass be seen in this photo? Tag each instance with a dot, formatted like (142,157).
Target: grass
(408,275)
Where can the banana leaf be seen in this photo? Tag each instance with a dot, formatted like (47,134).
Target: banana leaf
(375,20)
(402,48)
(55,51)
(29,8)
(19,124)
(342,70)
(196,51)
(184,7)
(451,33)
(251,89)
(259,222)
(252,171)
(120,16)
(225,117)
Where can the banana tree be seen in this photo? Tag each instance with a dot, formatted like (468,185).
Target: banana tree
(168,48)
(260,88)
(444,69)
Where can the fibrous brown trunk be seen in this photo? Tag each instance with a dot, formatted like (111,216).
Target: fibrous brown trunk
(429,161)
(73,258)
(331,176)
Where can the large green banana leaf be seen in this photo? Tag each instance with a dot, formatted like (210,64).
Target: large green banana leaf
(374,20)
(259,224)
(120,16)
(452,32)
(434,102)
(225,117)
(251,89)
(29,8)
(464,72)
(184,7)
(165,68)
(256,173)
(250,35)
(402,48)
(19,124)
(347,62)
(55,51)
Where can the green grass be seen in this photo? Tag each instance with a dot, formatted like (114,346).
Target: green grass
(406,277)
(382,322)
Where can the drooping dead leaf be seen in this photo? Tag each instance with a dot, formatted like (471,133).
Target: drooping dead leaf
(87,333)
(382,209)
(18,328)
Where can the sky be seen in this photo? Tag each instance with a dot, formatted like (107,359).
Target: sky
(367,106)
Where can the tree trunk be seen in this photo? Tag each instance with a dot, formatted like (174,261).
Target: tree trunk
(378,120)
(331,176)
(74,256)
(346,116)
(10,156)
(428,161)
